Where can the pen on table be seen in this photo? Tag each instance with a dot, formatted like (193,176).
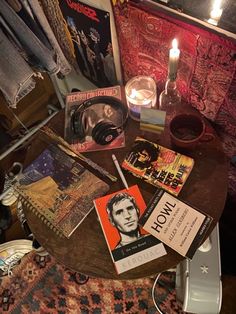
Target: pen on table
(119,171)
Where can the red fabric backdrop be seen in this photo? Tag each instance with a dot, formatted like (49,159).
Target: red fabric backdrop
(207,68)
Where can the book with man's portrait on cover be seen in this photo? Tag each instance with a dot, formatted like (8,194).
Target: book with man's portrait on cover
(158,165)
(59,190)
(129,245)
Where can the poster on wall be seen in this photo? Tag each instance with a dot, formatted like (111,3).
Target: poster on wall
(91,34)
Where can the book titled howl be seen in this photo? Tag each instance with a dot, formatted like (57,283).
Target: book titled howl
(129,245)
(175,223)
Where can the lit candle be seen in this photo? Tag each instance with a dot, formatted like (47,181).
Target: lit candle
(216,12)
(173,59)
(140,97)
(140,91)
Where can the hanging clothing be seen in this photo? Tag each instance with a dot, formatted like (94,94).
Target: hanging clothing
(16,76)
(31,48)
(44,57)
(60,28)
(64,65)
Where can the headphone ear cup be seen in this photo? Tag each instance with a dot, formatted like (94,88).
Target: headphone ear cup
(104,132)
(78,124)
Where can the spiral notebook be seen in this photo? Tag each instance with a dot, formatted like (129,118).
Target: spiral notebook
(59,190)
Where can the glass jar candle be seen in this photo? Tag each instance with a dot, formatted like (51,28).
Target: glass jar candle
(140,92)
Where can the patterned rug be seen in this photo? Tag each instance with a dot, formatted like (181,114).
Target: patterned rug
(40,285)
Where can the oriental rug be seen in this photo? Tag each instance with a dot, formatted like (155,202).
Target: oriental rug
(41,285)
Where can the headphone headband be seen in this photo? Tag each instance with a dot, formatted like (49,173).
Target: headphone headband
(104,131)
(109,100)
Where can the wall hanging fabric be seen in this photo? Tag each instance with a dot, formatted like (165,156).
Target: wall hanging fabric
(207,68)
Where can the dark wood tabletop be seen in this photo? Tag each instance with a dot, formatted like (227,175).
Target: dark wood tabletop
(86,250)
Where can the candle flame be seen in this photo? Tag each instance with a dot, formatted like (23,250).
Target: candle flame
(215,13)
(133,93)
(216,5)
(174,43)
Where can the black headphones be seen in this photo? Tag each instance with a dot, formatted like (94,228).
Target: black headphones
(104,132)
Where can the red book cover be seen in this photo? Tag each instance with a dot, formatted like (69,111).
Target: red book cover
(158,165)
(129,245)
(94,113)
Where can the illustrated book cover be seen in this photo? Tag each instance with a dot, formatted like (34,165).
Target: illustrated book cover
(129,245)
(158,165)
(59,190)
(175,223)
(93,114)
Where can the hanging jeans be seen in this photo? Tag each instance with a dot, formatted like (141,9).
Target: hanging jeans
(16,76)
(45,58)
(18,66)
(65,68)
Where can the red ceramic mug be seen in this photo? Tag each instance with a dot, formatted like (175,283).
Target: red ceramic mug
(187,130)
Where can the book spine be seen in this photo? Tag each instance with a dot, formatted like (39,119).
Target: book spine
(201,233)
(29,204)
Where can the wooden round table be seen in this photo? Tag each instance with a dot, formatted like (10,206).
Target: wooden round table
(86,250)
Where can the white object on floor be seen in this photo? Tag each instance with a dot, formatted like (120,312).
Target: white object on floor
(206,246)
(11,253)
(198,281)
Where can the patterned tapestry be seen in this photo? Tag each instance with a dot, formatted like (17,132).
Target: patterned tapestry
(207,68)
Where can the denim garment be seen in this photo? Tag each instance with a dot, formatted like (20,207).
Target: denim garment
(31,22)
(64,65)
(16,76)
(30,42)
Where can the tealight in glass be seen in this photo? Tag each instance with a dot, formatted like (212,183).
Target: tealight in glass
(140,92)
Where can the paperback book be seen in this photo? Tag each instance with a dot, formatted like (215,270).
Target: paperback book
(158,165)
(129,245)
(175,223)
(59,190)
(92,115)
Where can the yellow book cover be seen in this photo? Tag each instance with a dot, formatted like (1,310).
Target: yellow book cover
(158,165)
